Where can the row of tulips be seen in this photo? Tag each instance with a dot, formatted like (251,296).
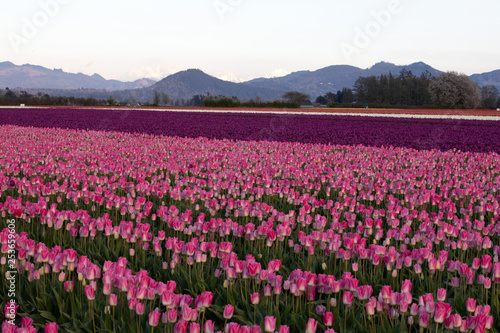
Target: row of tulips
(444,134)
(116,275)
(300,234)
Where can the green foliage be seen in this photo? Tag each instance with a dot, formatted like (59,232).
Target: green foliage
(405,89)
(111,101)
(221,102)
(11,97)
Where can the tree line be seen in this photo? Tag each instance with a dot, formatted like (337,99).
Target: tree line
(447,90)
(405,90)
(11,97)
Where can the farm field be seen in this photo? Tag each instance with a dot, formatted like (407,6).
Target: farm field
(145,221)
(333,111)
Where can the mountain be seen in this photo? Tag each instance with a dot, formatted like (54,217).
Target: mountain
(192,82)
(489,78)
(334,78)
(31,76)
(183,85)
(186,84)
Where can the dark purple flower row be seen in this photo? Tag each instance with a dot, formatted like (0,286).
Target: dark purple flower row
(465,135)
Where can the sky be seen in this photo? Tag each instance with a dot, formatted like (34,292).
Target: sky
(239,40)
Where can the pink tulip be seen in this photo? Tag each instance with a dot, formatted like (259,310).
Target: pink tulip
(442,312)
(209,326)
(26,322)
(470,304)
(106,289)
(255,298)
(89,292)
(406,286)
(284,329)
(386,292)
(370,308)
(423,319)
(68,286)
(347,298)
(139,308)
(403,307)
(181,327)
(232,328)
(10,310)
(154,318)
(8,327)
(328,319)
(255,329)
(113,300)
(194,328)
(311,326)
(172,315)
(364,292)
(206,298)
(228,311)
(269,324)
(51,328)
(441,294)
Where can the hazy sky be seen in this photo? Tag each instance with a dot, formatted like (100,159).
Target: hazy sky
(245,39)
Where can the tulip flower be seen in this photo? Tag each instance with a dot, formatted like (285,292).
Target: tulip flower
(269,324)
(441,294)
(51,328)
(208,326)
(311,326)
(194,328)
(181,327)
(255,298)
(347,298)
(89,292)
(284,329)
(154,318)
(228,311)
(328,319)
(470,304)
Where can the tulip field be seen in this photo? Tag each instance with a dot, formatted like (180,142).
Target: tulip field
(144,221)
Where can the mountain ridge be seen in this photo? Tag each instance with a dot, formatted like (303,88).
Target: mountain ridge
(185,84)
(29,76)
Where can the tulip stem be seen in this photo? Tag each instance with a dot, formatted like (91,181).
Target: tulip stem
(345,321)
(92,313)
(114,320)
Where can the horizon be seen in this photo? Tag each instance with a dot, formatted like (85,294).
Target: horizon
(228,80)
(237,40)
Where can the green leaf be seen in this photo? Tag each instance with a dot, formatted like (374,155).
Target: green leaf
(47,315)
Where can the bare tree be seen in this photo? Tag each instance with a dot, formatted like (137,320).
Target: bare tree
(455,91)
(489,94)
(295,97)
(165,98)
(156,99)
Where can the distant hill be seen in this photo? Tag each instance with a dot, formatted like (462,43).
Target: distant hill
(192,82)
(333,78)
(31,76)
(489,78)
